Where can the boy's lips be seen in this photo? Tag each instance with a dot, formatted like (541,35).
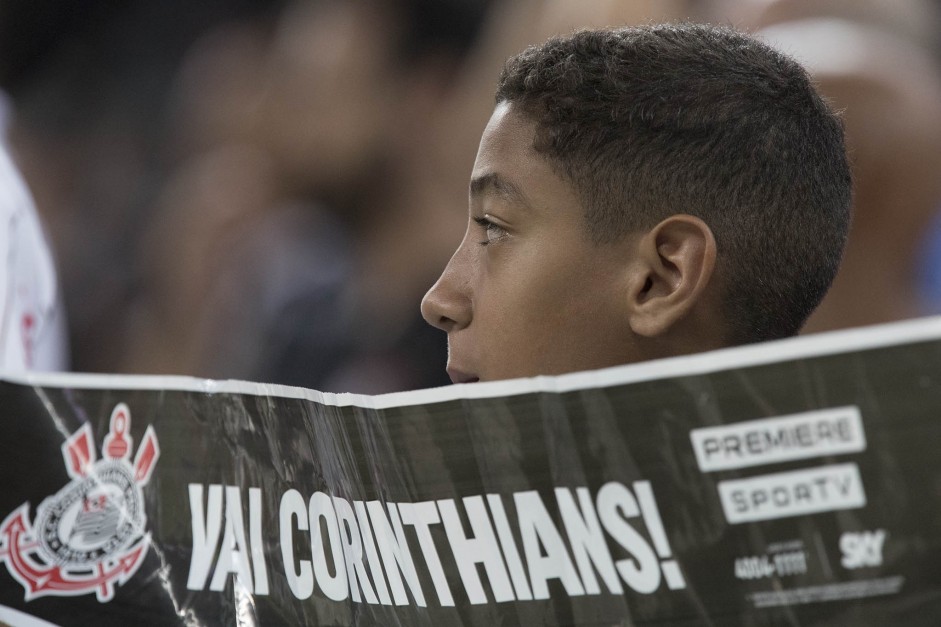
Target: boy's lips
(458,376)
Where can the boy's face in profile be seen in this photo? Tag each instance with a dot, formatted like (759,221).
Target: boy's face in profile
(528,292)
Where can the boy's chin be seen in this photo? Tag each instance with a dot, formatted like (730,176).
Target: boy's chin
(457,376)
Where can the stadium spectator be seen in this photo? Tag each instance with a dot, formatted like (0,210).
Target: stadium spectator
(32,319)
(643,193)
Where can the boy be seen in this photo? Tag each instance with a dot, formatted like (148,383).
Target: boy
(640,193)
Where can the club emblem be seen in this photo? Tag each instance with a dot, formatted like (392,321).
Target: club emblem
(90,535)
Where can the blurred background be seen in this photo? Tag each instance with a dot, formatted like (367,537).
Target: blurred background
(264,189)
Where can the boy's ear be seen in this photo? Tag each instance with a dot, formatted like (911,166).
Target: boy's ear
(675,263)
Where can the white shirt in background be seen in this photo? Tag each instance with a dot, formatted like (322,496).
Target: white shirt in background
(32,321)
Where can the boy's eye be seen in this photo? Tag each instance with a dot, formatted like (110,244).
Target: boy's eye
(493,232)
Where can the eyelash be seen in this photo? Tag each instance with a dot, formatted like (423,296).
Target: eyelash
(489,227)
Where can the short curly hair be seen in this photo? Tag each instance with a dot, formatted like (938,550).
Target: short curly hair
(651,121)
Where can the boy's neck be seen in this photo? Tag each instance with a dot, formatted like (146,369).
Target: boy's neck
(874,285)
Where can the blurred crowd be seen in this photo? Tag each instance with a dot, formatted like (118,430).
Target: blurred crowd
(264,189)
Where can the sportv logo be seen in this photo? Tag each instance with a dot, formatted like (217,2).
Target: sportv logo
(90,535)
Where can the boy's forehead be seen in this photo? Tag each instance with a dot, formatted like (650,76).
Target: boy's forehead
(511,171)
(492,182)
(507,164)
(507,133)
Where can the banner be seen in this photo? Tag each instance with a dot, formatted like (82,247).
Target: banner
(795,482)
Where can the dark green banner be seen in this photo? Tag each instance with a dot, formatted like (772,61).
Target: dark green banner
(794,483)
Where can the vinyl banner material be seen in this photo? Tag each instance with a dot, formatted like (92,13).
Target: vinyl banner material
(792,483)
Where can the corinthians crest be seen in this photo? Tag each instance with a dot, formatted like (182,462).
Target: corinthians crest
(90,535)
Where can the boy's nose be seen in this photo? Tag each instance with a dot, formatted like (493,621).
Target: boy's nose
(447,305)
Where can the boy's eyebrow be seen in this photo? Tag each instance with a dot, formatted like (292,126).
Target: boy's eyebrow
(504,188)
